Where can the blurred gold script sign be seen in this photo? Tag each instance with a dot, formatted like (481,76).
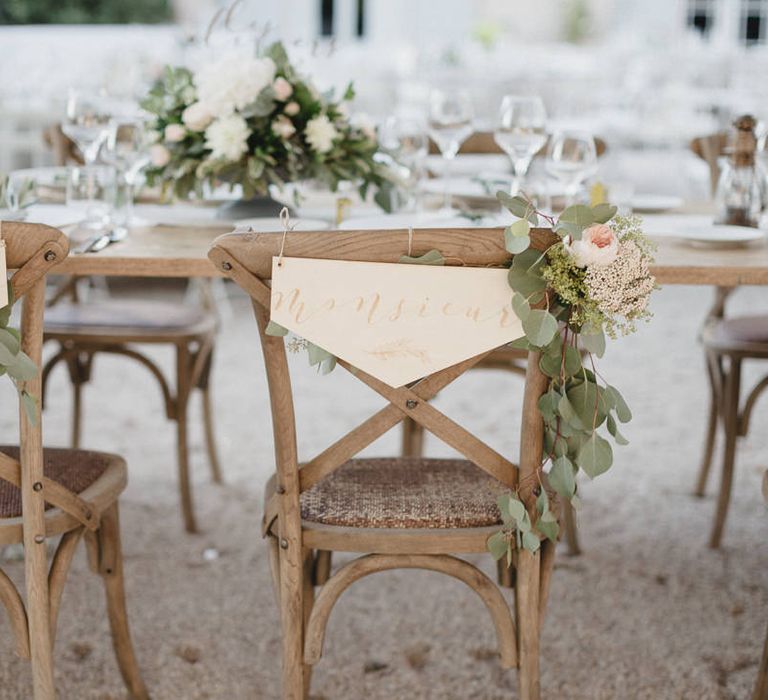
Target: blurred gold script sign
(396,322)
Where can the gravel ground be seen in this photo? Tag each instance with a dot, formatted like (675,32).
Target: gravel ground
(647,612)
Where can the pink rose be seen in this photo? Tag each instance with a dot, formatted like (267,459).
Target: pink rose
(196,117)
(159,155)
(598,246)
(292,109)
(283,89)
(283,127)
(175,133)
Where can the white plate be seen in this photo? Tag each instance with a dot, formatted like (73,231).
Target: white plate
(700,229)
(273,223)
(655,202)
(56,215)
(462,187)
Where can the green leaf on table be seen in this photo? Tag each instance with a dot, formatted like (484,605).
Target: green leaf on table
(593,340)
(433,257)
(519,206)
(613,429)
(595,456)
(516,238)
(531,541)
(617,400)
(562,477)
(497,545)
(275,329)
(540,327)
(602,213)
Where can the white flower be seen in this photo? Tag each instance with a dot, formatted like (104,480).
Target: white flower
(598,246)
(283,127)
(159,155)
(196,117)
(320,133)
(292,109)
(343,109)
(283,89)
(233,82)
(227,137)
(362,121)
(174,133)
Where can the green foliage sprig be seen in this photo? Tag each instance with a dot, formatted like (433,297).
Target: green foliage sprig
(568,298)
(14,362)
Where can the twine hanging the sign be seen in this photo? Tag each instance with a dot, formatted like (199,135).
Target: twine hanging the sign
(285,220)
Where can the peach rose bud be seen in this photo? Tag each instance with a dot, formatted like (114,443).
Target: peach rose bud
(283,89)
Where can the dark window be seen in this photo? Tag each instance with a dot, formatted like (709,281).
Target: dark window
(360,26)
(752,26)
(754,15)
(326,17)
(701,21)
(701,15)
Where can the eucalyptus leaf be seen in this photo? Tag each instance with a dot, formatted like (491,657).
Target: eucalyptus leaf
(497,545)
(562,477)
(433,257)
(567,228)
(613,429)
(587,401)
(568,413)
(520,344)
(531,542)
(515,244)
(275,329)
(514,507)
(578,214)
(520,306)
(518,206)
(622,410)
(316,354)
(10,341)
(550,529)
(22,368)
(593,340)
(603,213)
(595,456)
(542,502)
(540,327)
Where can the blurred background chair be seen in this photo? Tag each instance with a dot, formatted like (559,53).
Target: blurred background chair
(727,343)
(710,149)
(47,493)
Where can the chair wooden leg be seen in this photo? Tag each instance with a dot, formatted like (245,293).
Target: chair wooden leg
(761,687)
(111,571)
(571,529)
(210,440)
(41,649)
(413,438)
(183,362)
(711,434)
(292,618)
(527,610)
(505,574)
(322,570)
(308,602)
(730,423)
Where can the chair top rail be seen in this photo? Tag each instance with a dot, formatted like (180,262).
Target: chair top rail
(31,249)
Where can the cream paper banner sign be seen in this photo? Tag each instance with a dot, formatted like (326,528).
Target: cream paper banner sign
(397,322)
(3,272)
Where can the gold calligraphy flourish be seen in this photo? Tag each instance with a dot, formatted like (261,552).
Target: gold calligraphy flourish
(399,349)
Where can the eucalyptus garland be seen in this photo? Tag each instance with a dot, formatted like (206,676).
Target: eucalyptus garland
(593,281)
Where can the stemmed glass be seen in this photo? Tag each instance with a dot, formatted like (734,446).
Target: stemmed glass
(406,142)
(450,124)
(521,132)
(87,123)
(572,158)
(127,148)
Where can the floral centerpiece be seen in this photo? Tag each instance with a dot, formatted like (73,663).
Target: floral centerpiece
(593,280)
(256,122)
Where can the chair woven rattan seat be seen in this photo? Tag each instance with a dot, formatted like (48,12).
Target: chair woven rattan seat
(404,493)
(73,469)
(135,318)
(740,332)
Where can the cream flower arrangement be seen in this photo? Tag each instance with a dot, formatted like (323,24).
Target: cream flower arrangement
(592,280)
(255,121)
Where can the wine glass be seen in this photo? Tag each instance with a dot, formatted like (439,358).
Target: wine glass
(406,141)
(520,132)
(572,158)
(450,123)
(127,148)
(87,123)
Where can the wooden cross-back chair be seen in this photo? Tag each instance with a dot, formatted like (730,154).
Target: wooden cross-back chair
(46,493)
(329,504)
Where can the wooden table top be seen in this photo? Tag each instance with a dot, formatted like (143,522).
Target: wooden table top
(173,251)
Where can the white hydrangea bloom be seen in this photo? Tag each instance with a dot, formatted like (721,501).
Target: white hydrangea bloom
(227,137)
(320,133)
(233,82)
